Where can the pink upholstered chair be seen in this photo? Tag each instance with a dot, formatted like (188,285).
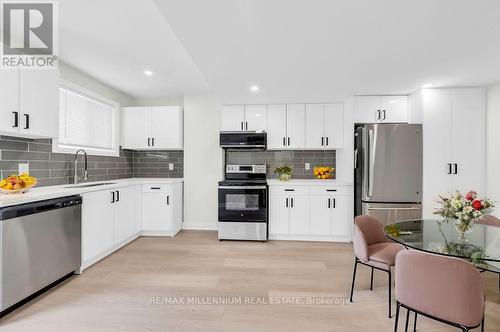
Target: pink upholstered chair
(373,249)
(489,220)
(494,222)
(446,289)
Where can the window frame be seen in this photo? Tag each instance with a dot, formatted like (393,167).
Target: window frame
(114,151)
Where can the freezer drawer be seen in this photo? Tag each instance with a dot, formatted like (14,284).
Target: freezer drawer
(390,213)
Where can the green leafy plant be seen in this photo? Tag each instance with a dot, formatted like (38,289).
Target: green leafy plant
(284,170)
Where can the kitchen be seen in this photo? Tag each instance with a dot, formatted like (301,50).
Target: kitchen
(201,140)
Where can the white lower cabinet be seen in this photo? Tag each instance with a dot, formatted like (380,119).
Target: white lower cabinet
(161,209)
(311,213)
(114,217)
(109,217)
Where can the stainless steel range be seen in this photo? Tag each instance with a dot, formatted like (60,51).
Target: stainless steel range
(243,202)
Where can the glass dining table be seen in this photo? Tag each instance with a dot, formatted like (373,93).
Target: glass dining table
(482,245)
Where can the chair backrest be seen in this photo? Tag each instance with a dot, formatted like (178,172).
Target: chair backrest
(489,220)
(368,230)
(444,287)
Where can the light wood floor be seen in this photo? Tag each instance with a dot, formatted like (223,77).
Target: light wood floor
(116,294)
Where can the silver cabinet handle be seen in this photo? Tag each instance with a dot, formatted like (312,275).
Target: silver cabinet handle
(286,202)
(378,115)
(327,143)
(168,199)
(242,187)
(322,141)
(383,112)
(246,125)
(329,204)
(288,141)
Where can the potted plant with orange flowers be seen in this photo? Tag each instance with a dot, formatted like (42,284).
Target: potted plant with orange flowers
(463,210)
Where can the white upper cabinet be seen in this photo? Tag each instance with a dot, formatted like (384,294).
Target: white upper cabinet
(334,125)
(324,126)
(454,122)
(315,126)
(256,117)
(244,117)
(276,127)
(159,127)
(166,127)
(295,126)
(233,118)
(9,101)
(29,103)
(380,109)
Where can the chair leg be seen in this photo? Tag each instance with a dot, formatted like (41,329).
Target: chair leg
(396,321)
(371,281)
(482,325)
(390,295)
(415,323)
(354,277)
(407,319)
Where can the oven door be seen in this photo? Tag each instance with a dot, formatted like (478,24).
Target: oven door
(243,204)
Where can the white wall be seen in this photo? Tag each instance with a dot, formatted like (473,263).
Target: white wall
(202,161)
(78,77)
(493,144)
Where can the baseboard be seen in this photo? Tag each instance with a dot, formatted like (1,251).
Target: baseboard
(199,226)
(310,238)
(156,233)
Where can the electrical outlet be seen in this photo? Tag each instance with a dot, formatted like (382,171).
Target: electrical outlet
(307,166)
(171,166)
(24,168)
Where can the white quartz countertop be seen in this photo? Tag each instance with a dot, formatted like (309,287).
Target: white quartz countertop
(49,192)
(307,182)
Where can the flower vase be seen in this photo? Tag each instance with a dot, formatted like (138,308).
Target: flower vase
(285,177)
(463,228)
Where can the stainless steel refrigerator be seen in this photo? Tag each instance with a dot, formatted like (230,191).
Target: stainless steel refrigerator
(388,171)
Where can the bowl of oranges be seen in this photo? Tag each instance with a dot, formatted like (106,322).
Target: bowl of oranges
(16,184)
(323,172)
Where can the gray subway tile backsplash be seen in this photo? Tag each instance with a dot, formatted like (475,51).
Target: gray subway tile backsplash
(295,159)
(57,168)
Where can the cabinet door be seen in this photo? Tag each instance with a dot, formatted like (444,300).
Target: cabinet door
(366,109)
(276,127)
(177,207)
(39,102)
(436,148)
(315,126)
(279,214)
(256,117)
(321,215)
(233,118)
(9,101)
(394,109)
(295,126)
(334,126)
(136,128)
(342,215)
(126,213)
(468,139)
(97,223)
(299,214)
(156,212)
(166,127)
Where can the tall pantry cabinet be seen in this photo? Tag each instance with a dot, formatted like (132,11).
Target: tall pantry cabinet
(454,140)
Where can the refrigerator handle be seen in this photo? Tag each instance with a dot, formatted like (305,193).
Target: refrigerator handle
(355,158)
(370,162)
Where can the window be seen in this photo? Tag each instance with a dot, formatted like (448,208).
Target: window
(86,121)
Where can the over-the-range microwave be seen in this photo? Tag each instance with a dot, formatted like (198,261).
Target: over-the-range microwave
(246,140)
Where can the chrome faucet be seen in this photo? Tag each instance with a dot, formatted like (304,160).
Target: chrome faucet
(85,171)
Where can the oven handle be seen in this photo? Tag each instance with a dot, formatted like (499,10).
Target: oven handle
(242,187)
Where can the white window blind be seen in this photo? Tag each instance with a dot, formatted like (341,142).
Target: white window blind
(85,122)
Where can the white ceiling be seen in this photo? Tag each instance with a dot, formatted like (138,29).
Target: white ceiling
(115,41)
(295,50)
(326,50)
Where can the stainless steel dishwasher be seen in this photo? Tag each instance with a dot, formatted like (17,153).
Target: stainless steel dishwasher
(40,244)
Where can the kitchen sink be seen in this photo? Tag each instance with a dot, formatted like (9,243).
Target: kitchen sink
(87,185)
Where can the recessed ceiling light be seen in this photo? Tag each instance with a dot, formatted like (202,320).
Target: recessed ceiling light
(148,73)
(427,85)
(254,88)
